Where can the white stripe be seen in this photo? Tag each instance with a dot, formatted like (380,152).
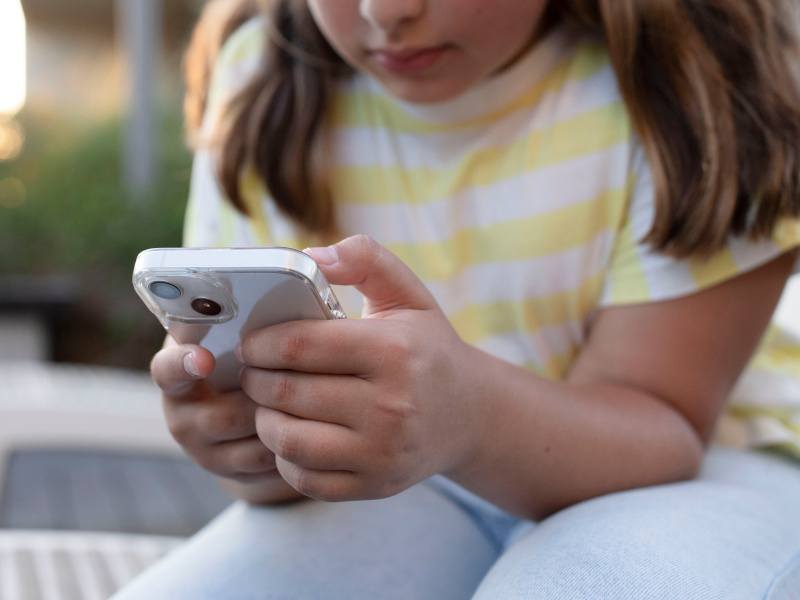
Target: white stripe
(516,281)
(787,315)
(280,226)
(665,276)
(762,388)
(526,195)
(205,198)
(374,146)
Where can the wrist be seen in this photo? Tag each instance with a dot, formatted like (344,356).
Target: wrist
(473,372)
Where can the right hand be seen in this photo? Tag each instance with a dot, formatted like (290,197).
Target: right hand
(217,431)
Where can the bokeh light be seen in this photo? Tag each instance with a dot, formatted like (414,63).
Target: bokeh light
(12,57)
(11,139)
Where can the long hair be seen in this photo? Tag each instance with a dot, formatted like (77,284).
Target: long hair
(711,87)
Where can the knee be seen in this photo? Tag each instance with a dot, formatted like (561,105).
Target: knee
(602,550)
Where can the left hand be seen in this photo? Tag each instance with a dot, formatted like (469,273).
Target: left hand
(363,409)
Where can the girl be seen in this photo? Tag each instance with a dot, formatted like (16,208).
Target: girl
(582,215)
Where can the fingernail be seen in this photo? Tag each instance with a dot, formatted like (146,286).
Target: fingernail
(190,365)
(325,255)
(237,352)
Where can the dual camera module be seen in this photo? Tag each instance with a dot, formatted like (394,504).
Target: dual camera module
(168,291)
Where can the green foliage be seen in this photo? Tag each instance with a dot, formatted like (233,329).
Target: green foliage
(75,214)
(71,216)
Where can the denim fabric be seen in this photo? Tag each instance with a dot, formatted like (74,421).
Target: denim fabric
(733,533)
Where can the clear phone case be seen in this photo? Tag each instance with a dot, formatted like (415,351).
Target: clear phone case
(215,296)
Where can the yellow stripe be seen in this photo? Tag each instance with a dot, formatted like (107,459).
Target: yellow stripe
(252,192)
(226,227)
(710,270)
(478,322)
(787,233)
(245,43)
(291,242)
(556,368)
(779,361)
(528,238)
(786,416)
(626,276)
(561,142)
(189,221)
(359,108)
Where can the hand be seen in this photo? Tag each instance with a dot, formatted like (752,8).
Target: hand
(216,430)
(357,409)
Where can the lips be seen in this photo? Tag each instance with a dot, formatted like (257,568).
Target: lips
(408,60)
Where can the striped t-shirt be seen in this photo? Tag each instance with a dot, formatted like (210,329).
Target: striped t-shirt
(520,204)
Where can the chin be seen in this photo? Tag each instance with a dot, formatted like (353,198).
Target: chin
(423,92)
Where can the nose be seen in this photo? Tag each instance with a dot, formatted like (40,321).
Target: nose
(388,15)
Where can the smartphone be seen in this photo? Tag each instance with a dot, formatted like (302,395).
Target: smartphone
(216,296)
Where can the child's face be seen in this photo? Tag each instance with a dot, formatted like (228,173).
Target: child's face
(428,50)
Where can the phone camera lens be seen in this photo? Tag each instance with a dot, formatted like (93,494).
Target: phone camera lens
(206,307)
(165,290)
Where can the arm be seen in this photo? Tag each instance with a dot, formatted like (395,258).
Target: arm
(364,409)
(639,405)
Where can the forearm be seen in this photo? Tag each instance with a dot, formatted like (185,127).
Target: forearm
(545,445)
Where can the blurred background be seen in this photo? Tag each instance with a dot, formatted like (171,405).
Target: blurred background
(90,173)
(93,169)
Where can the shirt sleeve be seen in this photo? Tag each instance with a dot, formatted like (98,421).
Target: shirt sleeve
(210,219)
(638,274)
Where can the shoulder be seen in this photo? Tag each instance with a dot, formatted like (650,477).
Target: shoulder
(238,60)
(245,44)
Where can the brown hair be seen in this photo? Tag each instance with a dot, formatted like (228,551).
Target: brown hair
(711,87)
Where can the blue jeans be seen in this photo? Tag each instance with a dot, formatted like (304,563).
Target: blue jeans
(733,533)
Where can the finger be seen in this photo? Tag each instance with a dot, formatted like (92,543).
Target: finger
(226,417)
(342,347)
(309,444)
(244,457)
(329,486)
(385,280)
(210,419)
(177,370)
(335,399)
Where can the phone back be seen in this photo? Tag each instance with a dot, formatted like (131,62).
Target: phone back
(215,306)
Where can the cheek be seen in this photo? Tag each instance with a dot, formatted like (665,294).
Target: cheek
(340,22)
(496,31)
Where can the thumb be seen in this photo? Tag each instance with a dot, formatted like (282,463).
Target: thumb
(386,282)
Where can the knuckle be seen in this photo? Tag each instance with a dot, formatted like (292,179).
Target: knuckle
(247,380)
(206,459)
(366,241)
(246,347)
(386,489)
(179,430)
(397,409)
(220,423)
(252,460)
(284,390)
(401,348)
(303,481)
(326,495)
(292,348)
(287,445)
